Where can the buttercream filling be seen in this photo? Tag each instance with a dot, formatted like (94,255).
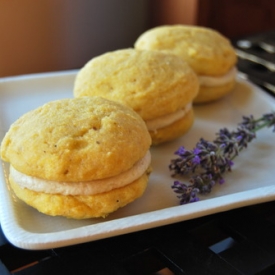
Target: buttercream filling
(85,187)
(163,121)
(214,81)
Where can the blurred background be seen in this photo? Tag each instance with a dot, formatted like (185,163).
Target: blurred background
(53,35)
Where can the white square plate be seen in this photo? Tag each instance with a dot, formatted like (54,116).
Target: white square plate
(250,182)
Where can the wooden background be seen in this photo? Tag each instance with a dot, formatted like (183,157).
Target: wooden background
(53,35)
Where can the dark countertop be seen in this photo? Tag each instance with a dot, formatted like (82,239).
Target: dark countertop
(240,241)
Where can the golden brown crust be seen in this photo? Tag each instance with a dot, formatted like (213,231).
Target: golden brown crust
(207,51)
(174,130)
(152,83)
(208,94)
(82,207)
(76,140)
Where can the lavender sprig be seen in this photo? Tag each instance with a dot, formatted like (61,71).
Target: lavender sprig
(208,161)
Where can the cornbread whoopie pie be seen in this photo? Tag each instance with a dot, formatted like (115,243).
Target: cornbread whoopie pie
(159,87)
(208,52)
(79,158)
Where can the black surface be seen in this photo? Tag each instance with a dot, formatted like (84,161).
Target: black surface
(240,241)
(257,59)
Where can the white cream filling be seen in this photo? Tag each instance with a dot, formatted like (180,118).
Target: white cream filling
(82,188)
(163,121)
(214,81)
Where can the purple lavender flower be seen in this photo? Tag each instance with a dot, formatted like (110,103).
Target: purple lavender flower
(180,151)
(196,160)
(188,193)
(208,161)
(196,151)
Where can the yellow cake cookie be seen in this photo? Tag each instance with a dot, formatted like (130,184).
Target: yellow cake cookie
(78,158)
(208,52)
(159,87)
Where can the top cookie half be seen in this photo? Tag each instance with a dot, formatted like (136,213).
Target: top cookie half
(154,84)
(76,139)
(207,51)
